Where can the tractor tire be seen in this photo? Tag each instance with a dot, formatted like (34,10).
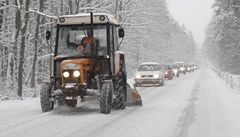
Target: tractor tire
(71,103)
(120,100)
(45,95)
(106,98)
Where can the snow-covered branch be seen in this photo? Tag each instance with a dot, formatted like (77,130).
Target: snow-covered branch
(9,6)
(42,14)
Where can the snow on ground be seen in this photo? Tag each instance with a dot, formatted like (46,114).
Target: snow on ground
(217,109)
(197,104)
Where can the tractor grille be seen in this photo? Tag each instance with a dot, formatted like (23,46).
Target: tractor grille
(71,78)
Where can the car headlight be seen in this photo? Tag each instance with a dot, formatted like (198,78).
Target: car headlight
(181,68)
(175,71)
(156,76)
(76,73)
(138,76)
(66,74)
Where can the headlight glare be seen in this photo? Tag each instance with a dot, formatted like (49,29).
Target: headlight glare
(66,74)
(138,76)
(76,73)
(156,76)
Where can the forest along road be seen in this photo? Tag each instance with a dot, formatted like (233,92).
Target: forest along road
(196,104)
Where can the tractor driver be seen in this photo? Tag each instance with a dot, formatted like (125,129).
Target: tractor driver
(86,43)
(85,48)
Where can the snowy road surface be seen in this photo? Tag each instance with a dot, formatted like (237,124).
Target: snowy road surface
(197,104)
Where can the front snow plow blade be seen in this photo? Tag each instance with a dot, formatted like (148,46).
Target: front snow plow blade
(133,97)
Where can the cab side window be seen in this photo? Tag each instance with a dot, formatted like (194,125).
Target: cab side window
(114,38)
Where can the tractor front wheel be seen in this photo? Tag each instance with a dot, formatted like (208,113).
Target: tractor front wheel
(106,98)
(45,95)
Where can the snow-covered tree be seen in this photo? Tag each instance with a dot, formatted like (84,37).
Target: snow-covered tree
(223,35)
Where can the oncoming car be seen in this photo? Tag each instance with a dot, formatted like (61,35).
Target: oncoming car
(182,67)
(175,69)
(168,71)
(149,73)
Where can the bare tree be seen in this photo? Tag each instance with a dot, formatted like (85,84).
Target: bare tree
(24,16)
(36,43)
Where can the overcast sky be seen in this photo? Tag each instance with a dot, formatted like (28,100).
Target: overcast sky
(194,14)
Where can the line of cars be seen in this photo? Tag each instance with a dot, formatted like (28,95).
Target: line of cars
(155,73)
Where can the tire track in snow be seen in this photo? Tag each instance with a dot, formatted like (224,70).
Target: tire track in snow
(188,114)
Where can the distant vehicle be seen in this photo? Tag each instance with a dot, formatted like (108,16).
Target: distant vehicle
(196,67)
(192,66)
(188,68)
(149,73)
(168,72)
(182,67)
(176,70)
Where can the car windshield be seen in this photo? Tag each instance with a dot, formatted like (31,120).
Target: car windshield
(175,66)
(167,66)
(149,67)
(71,37)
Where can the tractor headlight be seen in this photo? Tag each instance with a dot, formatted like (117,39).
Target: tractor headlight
(66,74)
(138,76)
(76,73)
(156,76)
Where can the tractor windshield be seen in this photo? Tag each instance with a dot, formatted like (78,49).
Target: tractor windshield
(75,41)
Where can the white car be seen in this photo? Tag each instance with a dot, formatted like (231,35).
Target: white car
(149,73)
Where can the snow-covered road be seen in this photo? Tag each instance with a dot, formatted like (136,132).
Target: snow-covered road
(197,104)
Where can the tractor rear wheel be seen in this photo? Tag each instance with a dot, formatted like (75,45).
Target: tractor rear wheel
(45,95)
(119,102)
(106,98)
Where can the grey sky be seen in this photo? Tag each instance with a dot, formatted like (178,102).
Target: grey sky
(194,14)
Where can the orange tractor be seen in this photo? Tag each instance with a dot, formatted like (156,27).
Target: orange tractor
(87,62)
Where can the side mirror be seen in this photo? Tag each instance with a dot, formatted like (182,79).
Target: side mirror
(48,34)
(121,32)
